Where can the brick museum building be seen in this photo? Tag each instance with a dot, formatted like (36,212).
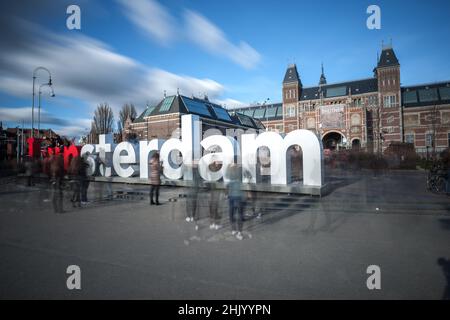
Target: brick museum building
(368,113)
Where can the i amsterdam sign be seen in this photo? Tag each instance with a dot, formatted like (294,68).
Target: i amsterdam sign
(128,159)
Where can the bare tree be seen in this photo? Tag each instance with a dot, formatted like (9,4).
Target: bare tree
(127,111)
(103,119)
(92,134)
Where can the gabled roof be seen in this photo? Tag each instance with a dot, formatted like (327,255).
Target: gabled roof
(272,111)
(291,75)
(388,58)
(191,105)
(340,89)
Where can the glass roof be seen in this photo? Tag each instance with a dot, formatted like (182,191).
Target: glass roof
(259,113)
(246,121)
(222,114)
(165,106)
(259,124)
(249,112)
(271,112)
(280,112)
(196,107)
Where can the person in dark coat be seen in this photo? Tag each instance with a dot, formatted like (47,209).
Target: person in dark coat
(155,178)
(215,193)
(84,181)
(74,176)
(235,200)
(192,201)
(57,175)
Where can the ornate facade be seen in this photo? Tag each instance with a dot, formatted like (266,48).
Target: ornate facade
(369,113)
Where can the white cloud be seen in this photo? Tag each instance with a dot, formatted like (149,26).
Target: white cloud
(87,69)
(67,127)
(208,36)
(150,17)
(154,20)
(231,103)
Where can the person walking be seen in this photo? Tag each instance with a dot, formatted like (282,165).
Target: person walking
(235,201)
(192,200)
(29,168)
(214,213)
(84,181)
(74,176)
(155,178)
(57,174)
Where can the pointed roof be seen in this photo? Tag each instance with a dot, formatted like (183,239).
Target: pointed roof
(387,58)
(323,79)
(291,75)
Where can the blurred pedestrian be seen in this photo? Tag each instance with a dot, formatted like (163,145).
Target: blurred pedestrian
(192,197)
(29,168)
(57,175)
(155,178)
(104,185)
(84,180)
(215,216)
(235,201)
(74,172)
(251,201)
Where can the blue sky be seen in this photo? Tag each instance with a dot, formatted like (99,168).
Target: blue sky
(235,51)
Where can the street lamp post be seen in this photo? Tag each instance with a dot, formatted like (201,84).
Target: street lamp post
(32,102)
(267,118)
(39,104)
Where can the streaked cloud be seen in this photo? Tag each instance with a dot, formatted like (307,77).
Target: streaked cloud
(86,69)
(151,18)
(212,39)
(231,103)
(66,127)
(159,24)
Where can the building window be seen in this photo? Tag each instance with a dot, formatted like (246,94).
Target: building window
(357,102)
(409,138)
(429,139)
(389,101)
(279,127)
(290,111)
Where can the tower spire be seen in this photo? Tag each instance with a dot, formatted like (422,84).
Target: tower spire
(323,79)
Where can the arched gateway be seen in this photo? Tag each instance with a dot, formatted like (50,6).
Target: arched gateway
(332,140)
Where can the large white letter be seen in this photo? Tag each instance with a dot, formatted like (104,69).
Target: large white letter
(226,157)
(312,156)
(103,148)
(146,149)
(189,146)
(128,158)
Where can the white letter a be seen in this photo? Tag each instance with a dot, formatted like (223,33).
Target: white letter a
(74,280)
(74,20)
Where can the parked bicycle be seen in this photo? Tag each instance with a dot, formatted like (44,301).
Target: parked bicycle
(437,178)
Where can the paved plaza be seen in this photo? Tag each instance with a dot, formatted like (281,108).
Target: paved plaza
(302,247)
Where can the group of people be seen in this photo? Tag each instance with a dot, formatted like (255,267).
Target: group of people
(53,168)
(233,191)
